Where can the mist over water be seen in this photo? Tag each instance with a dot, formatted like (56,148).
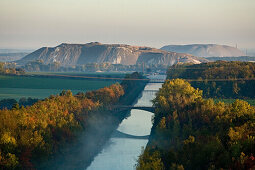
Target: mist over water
(122,153)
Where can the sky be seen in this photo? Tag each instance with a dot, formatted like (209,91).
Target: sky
(31,24)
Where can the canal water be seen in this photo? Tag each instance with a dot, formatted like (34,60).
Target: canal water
(122,153)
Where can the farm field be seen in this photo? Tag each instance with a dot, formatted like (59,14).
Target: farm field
(40,87)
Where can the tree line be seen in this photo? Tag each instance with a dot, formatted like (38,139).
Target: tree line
(219,79)
(10,68)
(190,132)
(10,103)
(39,66)
(33,133)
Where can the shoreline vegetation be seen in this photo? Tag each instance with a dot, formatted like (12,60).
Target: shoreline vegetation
(35,137)
(190,132)
(96,135)
(193,128)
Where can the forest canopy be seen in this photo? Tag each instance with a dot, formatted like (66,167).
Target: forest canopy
(33,133)
(219,79)
(190,132)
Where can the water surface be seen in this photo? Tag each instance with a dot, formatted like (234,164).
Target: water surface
(122,153)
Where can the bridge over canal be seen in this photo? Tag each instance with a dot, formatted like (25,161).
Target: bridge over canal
(119,134)
(125,107)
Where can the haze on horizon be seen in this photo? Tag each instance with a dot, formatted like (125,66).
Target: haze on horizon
(35,23)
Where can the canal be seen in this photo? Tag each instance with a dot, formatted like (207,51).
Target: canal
(122,153)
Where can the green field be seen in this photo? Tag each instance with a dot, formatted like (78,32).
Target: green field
(41,87)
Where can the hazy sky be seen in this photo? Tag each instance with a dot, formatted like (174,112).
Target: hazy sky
(35,23)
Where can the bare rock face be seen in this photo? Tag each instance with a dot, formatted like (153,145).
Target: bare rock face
(205,50)
(156,56)
(78,54)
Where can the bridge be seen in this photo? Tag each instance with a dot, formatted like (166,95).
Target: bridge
(145,108)
(118,134)
(156,81)
(125,107)
(150,91)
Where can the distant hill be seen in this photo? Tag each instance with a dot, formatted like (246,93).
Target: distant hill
(8,57)
(205,50)
(15,50)
(78,54)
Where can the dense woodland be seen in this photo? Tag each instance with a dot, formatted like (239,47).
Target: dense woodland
(190,132)
(31,135)
(219,79)
(242,58)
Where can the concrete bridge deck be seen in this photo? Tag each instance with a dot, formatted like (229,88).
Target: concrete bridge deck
(125,107)
(118,134)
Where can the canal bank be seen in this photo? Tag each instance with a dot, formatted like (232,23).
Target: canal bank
(99,126)
(120,152)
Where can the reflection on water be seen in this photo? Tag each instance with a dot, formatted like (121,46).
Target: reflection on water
(139,123)
(122,153)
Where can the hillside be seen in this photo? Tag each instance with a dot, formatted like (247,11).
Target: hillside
(78,54)
(205,50)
